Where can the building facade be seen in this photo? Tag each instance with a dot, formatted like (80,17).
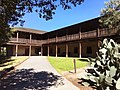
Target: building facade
(79,40)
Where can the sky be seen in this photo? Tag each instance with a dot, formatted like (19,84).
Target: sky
(89,9)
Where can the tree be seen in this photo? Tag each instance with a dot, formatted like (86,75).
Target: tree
(110,15)
(12,12)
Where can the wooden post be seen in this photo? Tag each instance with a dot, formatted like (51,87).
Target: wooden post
(74,66)
(41,50)
(0,50)
(79,49)
(56,38)
(17,36)
(66,50)
(30,50)
(56,51)
(48,50)
(80,33)
(16,50)
(98,32)
(30,37)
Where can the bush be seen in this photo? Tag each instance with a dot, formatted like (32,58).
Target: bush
(105,74)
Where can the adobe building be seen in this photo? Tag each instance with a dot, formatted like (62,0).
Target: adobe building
(79,40)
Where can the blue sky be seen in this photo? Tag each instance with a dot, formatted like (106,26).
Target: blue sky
(87,10)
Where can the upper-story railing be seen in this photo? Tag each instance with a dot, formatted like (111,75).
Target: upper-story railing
(83,35)
(25,41)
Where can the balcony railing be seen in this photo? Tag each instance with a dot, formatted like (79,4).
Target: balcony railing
(83,35)
(89,34)
(73,37)
(60,39)
(25,41)
(104,32)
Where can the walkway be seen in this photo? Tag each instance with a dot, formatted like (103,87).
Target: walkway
(36,73)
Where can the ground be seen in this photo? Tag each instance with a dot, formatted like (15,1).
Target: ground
(36,73)
(75,78)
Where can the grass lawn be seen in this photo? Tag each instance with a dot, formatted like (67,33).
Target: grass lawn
(65,64)
(13,61)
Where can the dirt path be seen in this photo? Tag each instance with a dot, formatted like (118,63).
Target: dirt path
(75,78)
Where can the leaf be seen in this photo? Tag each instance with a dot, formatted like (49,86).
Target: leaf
(112,71)
(101,77)
(107,73)
(107,88)
(112,43)
(109,80)
(118,84)
(98,63)
(85,83)
(105,42)
(92,78)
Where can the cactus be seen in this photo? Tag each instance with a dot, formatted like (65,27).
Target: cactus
(105,74)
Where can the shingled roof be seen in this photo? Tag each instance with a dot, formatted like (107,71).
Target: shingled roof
(29,30)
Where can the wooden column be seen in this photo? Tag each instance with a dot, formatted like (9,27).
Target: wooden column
(98,32)
(30,47)
(16,50)
(48,50)
(66,50)
(17,36)
(41,50)
(56,38)
(80,33)
(56,51)
(80,50)
(0,50)
(30,37)
(30,50)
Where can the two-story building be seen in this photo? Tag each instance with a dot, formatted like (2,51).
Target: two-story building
(79,40)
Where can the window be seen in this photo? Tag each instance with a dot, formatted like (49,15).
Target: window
(89,50)
(75,50)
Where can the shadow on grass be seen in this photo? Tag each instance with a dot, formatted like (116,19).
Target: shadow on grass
(83,59)
(5,59)
(24,79)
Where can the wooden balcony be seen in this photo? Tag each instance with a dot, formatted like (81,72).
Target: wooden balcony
(83,35)
(25,41)
(61,39)
(73,37)
(90,34)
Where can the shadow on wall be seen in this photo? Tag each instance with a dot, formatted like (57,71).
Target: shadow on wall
(24,79)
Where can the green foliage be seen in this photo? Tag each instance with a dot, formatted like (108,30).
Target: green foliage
(12,12)
(105,74)
(110,15)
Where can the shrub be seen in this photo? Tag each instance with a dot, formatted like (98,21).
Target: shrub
(105,74)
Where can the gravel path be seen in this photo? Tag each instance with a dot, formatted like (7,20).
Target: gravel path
(36,73)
